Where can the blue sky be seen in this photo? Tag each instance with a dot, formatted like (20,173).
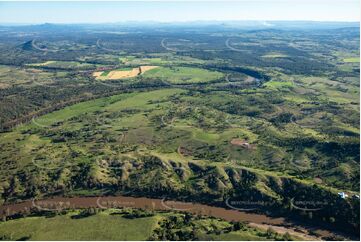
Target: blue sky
(168,11)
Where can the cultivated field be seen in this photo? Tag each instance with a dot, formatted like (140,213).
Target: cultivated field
(122,74)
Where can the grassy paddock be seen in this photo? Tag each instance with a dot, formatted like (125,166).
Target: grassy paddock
(184,75)
(352,59)
(97,227)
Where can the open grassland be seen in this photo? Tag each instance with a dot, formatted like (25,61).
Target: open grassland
(15,77)
(276,85)
(64,65)
(102,226)
(342,93)
(184,75)
(274,55)
(352,60)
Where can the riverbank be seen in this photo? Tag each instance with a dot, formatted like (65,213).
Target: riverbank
(279,224)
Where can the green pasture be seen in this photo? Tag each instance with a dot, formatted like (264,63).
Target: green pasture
(183,75)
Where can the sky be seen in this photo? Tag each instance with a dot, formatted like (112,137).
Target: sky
(30,12)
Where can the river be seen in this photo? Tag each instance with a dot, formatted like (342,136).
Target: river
(281,225)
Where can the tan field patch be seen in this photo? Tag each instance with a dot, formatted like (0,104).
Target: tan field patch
(42,64)
(4,85)
(97,74)
(113,75)
(122,74)
(146,68)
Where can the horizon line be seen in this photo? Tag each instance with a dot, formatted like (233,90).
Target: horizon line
(180,21)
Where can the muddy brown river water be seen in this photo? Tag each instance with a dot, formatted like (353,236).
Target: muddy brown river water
(255,220)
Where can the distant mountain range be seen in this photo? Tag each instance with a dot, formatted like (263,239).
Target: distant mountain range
(252,24)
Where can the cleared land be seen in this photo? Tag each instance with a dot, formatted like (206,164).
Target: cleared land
(98,227)
(66,65)
(122,74)
(184,75)
(352,60)
(274,55)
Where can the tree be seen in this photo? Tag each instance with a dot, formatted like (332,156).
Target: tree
(238,226)
(286,236)
(270,233)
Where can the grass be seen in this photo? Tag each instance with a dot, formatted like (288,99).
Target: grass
(11,76)
(63,65)
(184,75)
(205,136)
(46,63)
(274,55)
(236,236)
(40,144)
(352,59)
(142,99)
(278,84)
(331,90)
(76,110)
(113,103)
(105,73)
(97,227)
